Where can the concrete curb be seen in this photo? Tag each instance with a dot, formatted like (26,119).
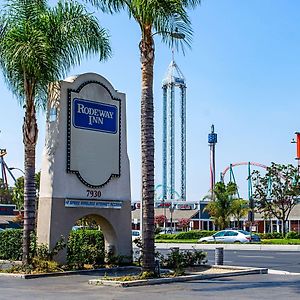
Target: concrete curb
(256,247)
(66,273)
(238,271)
(279,272)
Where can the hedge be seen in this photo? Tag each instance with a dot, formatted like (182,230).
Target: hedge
(11,244)
(270,235)
(293,235)
(83,247)
(188,235)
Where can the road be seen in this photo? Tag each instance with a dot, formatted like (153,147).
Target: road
(75,287)
(278,260)
(285,261)
(262,286)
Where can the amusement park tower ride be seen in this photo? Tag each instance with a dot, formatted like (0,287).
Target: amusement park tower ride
(173,79)
(212,140)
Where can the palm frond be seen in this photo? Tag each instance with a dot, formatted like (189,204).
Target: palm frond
(43,43)
(110,6)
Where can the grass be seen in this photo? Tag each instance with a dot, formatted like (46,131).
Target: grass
(264,241)
(281,241)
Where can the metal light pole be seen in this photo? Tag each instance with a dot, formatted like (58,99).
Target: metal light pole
(171,208)
(297,142)
(164,208)
(13,168)
(200,225)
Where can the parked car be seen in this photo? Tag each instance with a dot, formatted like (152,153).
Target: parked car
(135,234)
(167,230)
(231,236)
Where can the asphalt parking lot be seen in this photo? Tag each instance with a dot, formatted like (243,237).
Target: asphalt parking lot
(76,287)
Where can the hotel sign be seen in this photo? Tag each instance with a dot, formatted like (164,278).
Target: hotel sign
(95,116)
(94,134)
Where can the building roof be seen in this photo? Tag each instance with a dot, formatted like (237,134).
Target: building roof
(177,214)
(294,215)
(6,219)
(194,214)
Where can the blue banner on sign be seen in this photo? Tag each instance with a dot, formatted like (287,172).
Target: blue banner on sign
(96,116)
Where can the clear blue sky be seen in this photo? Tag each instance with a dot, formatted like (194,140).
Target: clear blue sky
(242,74)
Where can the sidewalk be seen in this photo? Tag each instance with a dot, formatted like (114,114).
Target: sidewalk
(255,247)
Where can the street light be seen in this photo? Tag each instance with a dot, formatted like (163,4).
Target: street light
(297,142)
(13,168)
(174,34)
(171,208)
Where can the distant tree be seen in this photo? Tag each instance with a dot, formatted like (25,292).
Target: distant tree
(160,220)
(18,191)
(220,209)
(89,222)
(184,223)
(18,194)
(5,193)
(39,44)
(239,209)
(277,192)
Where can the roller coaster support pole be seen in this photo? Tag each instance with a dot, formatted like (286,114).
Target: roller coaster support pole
(5,168)
(298,151)
(251,201)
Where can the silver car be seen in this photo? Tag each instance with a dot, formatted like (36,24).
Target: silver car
(231,236)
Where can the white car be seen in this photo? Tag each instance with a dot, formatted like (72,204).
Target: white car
(135,234)
(231,236)
(167,230)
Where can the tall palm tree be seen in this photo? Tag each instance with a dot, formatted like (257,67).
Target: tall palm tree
(38,45)
(169,19)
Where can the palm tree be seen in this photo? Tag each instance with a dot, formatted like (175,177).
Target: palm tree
(221,208)
(38,45)
(240,209)
(169,19)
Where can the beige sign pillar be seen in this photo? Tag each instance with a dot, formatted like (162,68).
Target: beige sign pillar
(85,166)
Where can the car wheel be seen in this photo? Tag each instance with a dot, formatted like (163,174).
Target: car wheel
(237,242)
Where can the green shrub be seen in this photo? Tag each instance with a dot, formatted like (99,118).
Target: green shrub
(270,235)
(85,247)
(193,234)
(180,259)
(11,244)
(293,235)
(165,236)
(188,235)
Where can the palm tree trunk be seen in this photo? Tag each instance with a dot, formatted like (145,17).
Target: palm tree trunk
(30,133)
(147,144)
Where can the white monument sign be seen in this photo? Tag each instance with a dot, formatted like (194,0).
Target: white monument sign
(85,167)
